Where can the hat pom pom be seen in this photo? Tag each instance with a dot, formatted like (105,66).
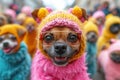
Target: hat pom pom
(42,13)
(77,12)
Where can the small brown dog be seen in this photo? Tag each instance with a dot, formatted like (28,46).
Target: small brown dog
(30,38)
(61,45)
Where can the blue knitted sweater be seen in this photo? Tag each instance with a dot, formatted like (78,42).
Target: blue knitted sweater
(15,66)
(91,58)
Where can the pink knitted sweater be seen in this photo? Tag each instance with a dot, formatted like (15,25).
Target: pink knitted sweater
(44,69)
(111,69)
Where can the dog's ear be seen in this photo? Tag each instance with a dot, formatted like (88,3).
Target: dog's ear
(21,32)
(34,13)
(80,13)
(40,13)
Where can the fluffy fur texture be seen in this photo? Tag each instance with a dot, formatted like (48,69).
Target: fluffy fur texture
(103,41)
(48,71)
(30,38)
(91,49)
(42,67)
(15,66)
(111,69)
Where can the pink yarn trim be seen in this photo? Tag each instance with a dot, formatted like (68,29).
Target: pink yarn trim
(62,22)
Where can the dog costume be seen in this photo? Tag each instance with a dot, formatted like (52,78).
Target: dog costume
(15,66)
(30,38)
(110,68)
(91,48)
(42,67)
(99,14)
(103,41)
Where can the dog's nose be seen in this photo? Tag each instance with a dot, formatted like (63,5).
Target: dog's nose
(60,48)
(5,44)
(93,36)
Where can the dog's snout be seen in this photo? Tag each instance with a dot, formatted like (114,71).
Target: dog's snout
(6,44)
(60,48)
(93,36)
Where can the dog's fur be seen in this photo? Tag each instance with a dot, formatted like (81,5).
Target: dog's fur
(109,61)
(30,38)
(14,59)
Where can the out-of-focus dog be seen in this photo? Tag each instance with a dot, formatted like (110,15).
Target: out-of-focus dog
(92,33)
(111,30)
(21,18)
(30,38)
(109,61)
(3,19)
(61,46)
(15,61)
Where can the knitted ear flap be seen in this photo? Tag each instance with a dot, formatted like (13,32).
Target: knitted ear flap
(40,13)
(80,13)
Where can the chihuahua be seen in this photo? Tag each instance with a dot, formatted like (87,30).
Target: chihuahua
(14,58)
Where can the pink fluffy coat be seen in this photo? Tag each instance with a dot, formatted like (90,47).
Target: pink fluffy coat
(44,69)
(111,69)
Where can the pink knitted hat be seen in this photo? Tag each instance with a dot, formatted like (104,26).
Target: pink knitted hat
(26,10)
(98,14)
(11,12)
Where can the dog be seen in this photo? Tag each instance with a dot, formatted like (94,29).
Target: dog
(21,18)
(15,61)
(3,19)
(30,38)
(61,46)
(91,33)
(109,61)
(111,30)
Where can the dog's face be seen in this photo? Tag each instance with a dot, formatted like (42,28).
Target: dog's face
(8,43)
(115,56)
(61,43)
(30,27)
(91,37)
(115,28)
(2,20)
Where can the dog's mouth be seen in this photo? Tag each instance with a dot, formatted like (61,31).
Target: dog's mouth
(60,61)
(8,50)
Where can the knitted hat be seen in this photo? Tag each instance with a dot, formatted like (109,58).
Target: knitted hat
(17,30)
(115,46)
(90,26)
(61,18)
(26,10)
(98,14)
(11,13)
(110,21)
(29,20)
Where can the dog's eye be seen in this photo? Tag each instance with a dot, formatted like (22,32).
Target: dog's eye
(1,39)
(72,38)
(13,38)
(48,38)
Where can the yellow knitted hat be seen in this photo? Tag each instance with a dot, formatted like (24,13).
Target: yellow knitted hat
(90,26)
(18,31)
(30,20)
(111,20)
(60,18)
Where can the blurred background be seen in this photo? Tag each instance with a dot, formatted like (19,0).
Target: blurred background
(89,5)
